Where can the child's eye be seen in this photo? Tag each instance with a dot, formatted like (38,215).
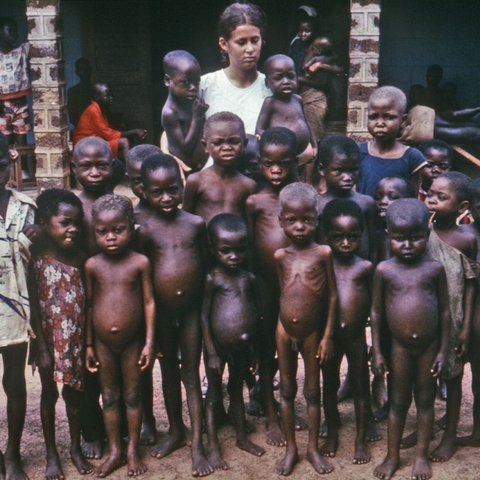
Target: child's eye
(224,251)
(267,164)
(285,164)
(353,238)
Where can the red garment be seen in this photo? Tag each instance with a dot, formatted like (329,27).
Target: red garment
(93,123)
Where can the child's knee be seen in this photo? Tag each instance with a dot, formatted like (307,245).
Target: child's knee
(110,398)
(288,390)
(14,386)
(190,377)
(49,393)
(133,398)
(312,394)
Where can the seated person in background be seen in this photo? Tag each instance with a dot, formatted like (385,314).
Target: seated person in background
(80,95)
(433,93)
(94,123)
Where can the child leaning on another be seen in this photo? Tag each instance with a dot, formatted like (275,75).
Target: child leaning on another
(385,156)
(57,297)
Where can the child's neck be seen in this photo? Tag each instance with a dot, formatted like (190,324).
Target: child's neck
(117,258)
(167,217)
(95,195)
(181,103)
(386,147)
(338,192)
(224,171)
(445,223)
(67,256)
(277,189)
(6,48)
(301,246)
(281,97)
(344,261)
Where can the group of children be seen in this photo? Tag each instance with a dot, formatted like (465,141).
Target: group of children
(255,276)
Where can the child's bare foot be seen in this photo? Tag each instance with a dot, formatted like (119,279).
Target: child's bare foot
(469,441)
(372,433)
(421,469)
(379,391)
(135,465)
(329,448)
(445,449)
(13,467)
(170,444)
(387,468)
(362,454)
(93,449)
(382,413)
(286,464)
(82,465)
(318,463)
(250,447)
(148,433)
(200,465)
(275,435)
(216,460)
(54,470)
(114,460)
(300,423)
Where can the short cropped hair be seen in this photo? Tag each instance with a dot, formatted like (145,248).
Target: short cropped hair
(82,61)
(390,93)
(407,211)
(342,207)
(139,153)
(407,189)
(4,147)
(461,184)
(227,222)
(437,144)
(280,136)
(155,162)
(274,58)
(336,145)
(172,59)
(112,202)
(96,142)
(49,201)
(298,191)
(223,117)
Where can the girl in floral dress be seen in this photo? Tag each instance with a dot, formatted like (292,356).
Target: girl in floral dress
(57,297)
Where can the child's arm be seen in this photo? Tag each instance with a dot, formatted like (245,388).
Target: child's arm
(91,361)
(377,313)
(186,143)
(257,340)
(370,214)
(325,348)
(148,352)
(263,121)
(190,194)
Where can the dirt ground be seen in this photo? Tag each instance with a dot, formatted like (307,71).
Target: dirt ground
(465,464)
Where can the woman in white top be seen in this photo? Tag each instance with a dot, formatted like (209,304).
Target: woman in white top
(239,88)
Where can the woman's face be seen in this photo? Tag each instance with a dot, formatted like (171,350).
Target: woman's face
(243,47)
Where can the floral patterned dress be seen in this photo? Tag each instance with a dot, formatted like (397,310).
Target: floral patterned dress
(61,295)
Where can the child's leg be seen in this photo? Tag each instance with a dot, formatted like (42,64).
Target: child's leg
(446,448)
(14,358)
(311,392)
(287,362)
(73,399)
(109,375)
(424,391)
(132,396)
(191,348)
(148,433)
(401,377)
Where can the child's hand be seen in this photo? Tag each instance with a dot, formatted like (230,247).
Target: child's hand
(32,231)
(438,365)
(461,348)
(91,360)
(215,363)
(325,350)
(30,332)
(146,357)
(379,367)
(199,107)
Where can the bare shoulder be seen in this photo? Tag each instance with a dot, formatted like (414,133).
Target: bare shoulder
(298,98)
(93,263)
(364,265)
(141,260)
(279,254)
(322,200)
(195,179)
(268,102)
(249,184)
(366,202)
(324,250)
(192,219)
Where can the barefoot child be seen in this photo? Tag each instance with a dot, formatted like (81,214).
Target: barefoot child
(278,147)
(343,224)
(456,249)
(230,321)
(220,188)
(183,115)
(308,308)
(175,242)
(120,327)
(419,328)
(57,297)
(16,213)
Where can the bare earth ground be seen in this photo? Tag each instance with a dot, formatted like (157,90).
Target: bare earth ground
(465,464)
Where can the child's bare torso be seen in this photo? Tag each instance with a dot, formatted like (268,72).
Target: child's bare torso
(90,242)
(303,287)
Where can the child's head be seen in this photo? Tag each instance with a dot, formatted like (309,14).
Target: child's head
(182,74)
(83,69)
(162,183)
(475,203)
(390,189)
(407,227)
(386,111)
(8,31)
(338,160)
(449,195)
(112,219)
(439,157)
(280,75)
(5,161)
(228,238)
(92,163)
(134,160)
(60,214)
(306,18)
(224,138)
(343,223)
(249,163)
(416,94)
(323,46)
(298,212)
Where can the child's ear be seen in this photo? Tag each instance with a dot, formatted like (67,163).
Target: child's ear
(404,120)
(204,145)
(463,207)
(166,80)
(321,169)
(280,220)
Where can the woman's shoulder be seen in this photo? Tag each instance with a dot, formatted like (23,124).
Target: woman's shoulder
(213,77)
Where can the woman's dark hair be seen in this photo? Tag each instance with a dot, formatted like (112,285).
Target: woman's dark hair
(241,14)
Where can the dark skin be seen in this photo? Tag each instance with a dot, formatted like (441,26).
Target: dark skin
(277,163)
(442,201)
(354,277)
(308,307)
(120,334)
(142,210)
(175,243)
(230,318)
(183,115)
(62,231)
(438,162)
(220,188)
(419,329)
